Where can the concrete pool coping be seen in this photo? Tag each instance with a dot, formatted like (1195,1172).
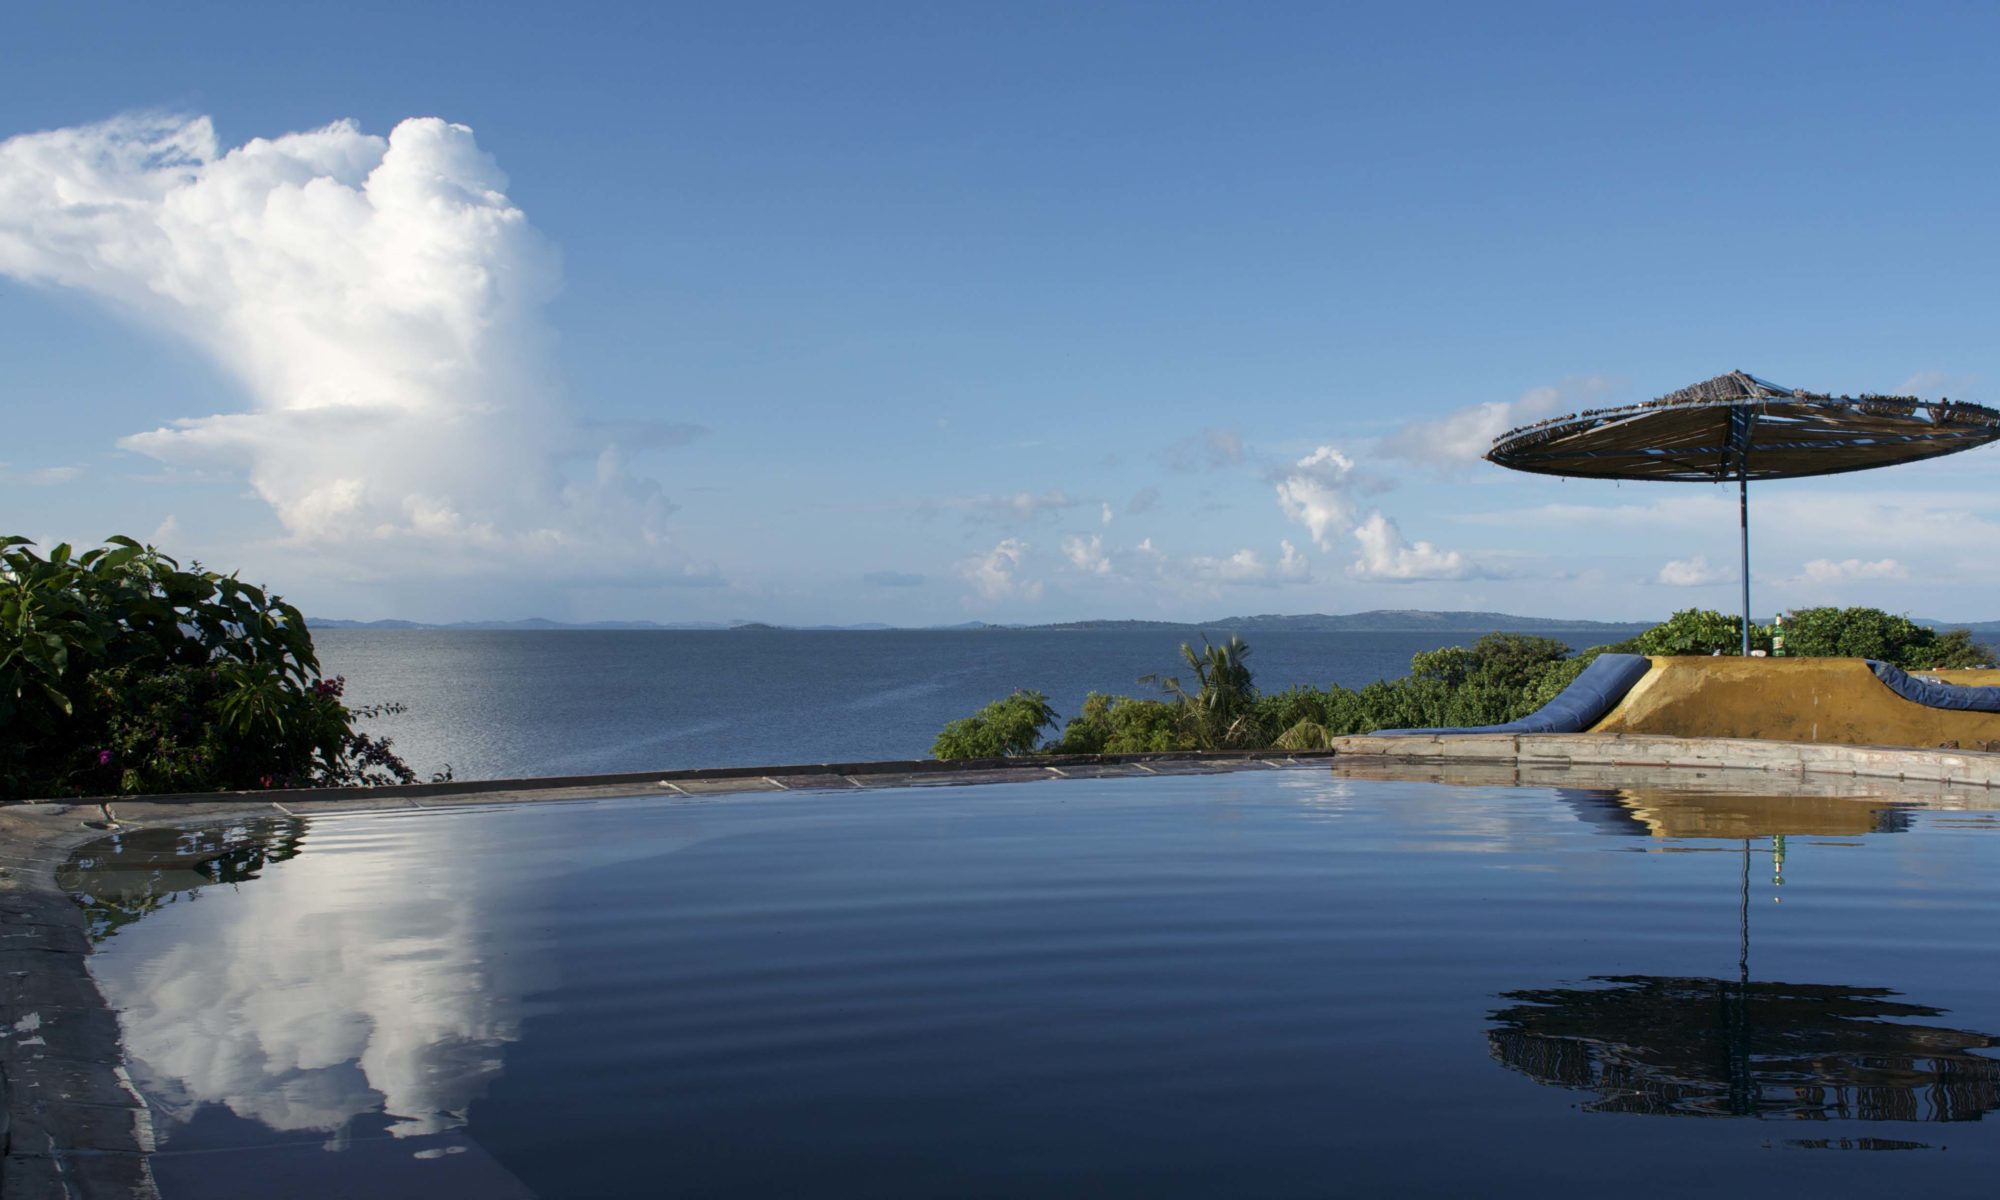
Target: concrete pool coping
(1942,765)
(72,1125)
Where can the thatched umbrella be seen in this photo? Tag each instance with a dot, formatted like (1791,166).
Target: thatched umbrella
(1740,427)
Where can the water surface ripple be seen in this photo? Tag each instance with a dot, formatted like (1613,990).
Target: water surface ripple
(1269,983)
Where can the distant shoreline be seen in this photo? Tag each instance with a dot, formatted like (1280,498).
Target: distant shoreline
(1381,621)
(1376,621)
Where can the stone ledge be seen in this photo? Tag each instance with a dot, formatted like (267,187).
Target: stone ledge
(763,778)
(1958,767)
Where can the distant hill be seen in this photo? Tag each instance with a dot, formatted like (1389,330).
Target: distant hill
(1381,620)
(1974,626)
(529,623)
(1378,621)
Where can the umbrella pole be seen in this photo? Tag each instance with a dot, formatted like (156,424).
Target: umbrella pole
(1743,524)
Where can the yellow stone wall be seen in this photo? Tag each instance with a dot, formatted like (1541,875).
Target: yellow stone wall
(1794,700)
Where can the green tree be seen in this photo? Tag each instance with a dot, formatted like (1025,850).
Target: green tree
(1220,710)
(1956,649)
(1005,727)
(1872,633)
(1515,660)
(1123,725)
(1702,631)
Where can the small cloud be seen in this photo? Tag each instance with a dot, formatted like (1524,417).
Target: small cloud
(1385,556)
(892,579)
(689,577)
(1087,554)
(40,477)
(1246,566)
(1013,507)
(997,573)
(1143,500)
(1315,492)
(1210,450)
(1826,570)
(1203,574)
(164,531)
(1937,385)
(1107,514)
(1459,439)
(1693,572)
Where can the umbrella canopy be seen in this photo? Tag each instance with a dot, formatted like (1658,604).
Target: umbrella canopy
(1740,427)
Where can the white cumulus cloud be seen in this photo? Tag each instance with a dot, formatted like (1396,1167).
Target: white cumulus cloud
(1826,570)
(1246,566)
(1461,438)
(1693,572)
(379,301)
(996,574)
(1317,492)
(1384,556)
(1087,554)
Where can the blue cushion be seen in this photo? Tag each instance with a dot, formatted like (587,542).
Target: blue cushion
(1579,706)
(1935,695)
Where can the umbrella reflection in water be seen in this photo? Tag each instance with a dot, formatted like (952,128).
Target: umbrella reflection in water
(1708,1047)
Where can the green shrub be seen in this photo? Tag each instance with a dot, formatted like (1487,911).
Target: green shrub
(1701,631)
(1872,633)
(1280,711)
(1010,726)
(1956,649)
(1516,660)
(121,672)
(1123,725)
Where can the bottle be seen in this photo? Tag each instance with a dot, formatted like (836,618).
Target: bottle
(1778,637)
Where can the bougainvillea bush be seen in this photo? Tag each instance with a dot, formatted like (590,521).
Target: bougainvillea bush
(120,672)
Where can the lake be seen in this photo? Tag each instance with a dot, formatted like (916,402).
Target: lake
(506,704)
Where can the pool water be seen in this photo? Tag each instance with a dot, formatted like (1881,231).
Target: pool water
(1270,983)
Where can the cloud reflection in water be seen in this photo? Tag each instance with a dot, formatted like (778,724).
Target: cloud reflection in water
(357,981)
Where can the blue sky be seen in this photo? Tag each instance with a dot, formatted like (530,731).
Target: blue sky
(930,313)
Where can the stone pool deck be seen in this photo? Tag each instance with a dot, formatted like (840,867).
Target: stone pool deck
(72,1125)
(1638,751)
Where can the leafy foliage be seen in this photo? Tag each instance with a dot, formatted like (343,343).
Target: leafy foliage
(1121,725)
(1956,649)
(1010,726)
(1872,633)
(1220,713)
(1701,631)
(1501,677)
(121,672)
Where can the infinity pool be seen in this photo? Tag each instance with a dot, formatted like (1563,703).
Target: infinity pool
(1276,983)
